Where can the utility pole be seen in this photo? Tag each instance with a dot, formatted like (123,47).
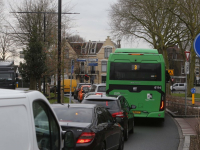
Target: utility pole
(59,48)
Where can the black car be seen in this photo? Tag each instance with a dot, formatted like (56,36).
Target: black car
(93,126)
(117,106)
(78,88)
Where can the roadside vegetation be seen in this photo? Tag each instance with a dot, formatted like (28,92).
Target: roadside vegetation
(176,104)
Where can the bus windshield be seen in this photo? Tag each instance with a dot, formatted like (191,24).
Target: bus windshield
(135,71)
(6,76)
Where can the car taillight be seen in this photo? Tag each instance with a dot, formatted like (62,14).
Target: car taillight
(118,114)
(86,137)
(98,94)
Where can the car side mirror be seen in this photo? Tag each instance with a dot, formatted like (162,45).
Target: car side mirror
(133,107)
(69,140)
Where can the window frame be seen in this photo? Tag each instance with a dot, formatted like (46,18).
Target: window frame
(54,118)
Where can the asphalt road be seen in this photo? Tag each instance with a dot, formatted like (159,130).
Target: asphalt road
(151,134)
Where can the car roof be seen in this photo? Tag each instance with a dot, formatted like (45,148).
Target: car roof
(84,83)
(102,97)
(74,105)
(19,94)
(100,84)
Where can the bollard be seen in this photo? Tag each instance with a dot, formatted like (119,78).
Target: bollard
(16,84)
(193,101)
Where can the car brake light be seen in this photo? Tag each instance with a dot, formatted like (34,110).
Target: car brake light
(118,114)
(98,94)
(86,137)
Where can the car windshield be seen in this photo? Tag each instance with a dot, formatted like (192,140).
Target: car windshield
(101,89)
(112,105)
(74,114)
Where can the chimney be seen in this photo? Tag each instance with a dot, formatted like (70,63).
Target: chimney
(118,44)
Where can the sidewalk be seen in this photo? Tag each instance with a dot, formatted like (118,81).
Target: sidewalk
(187,128)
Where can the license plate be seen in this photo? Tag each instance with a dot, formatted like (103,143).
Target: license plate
(137,112)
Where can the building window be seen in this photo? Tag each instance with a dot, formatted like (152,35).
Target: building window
(83,51)
(92,51)
(182,69)
(107,52)
(197,71)
(104,66)
(67,53)
(92,69)
(82,68)
(174,56)
(196,62)
(103,79)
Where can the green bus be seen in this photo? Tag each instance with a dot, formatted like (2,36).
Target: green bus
(138,75)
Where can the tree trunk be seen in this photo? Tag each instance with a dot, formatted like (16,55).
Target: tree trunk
(32,83)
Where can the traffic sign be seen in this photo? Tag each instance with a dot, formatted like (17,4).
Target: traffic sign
(187,55)
(187,69)
(193,90)
(171,72)
(197,45)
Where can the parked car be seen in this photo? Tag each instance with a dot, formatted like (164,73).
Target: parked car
(97,89)
(77,89)
(29,122)
(93,126)
(84,90)
(178,87)
(118,107)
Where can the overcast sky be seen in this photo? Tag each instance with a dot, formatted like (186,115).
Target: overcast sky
(92,22)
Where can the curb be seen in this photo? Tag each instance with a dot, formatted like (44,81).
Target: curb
(184,143)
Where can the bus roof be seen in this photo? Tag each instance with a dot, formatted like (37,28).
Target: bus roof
(136,50)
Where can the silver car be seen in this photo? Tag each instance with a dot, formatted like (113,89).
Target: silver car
(178,87)
(97,89)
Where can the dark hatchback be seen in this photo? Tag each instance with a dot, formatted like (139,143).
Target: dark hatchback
(92,125)
(78,88)
(118,107)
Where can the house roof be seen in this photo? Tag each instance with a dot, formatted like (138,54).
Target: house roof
(87,46)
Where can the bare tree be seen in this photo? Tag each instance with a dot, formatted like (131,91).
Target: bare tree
(146,19)
(187,11)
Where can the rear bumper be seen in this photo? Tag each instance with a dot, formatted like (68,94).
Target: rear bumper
(160,114)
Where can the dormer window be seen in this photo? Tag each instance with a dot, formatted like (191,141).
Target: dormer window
(83,51)
(92,51)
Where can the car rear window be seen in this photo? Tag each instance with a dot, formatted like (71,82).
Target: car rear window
(79,86)
(74,114)
(101,89)
(110,105)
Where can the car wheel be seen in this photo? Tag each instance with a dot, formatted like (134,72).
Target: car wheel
(121,143)
(103,146)
(126,133)
(132,130)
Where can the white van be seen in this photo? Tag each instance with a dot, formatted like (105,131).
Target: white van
(27,122)
(178,87)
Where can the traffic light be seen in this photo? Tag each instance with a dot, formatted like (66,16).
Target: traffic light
(86,77)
